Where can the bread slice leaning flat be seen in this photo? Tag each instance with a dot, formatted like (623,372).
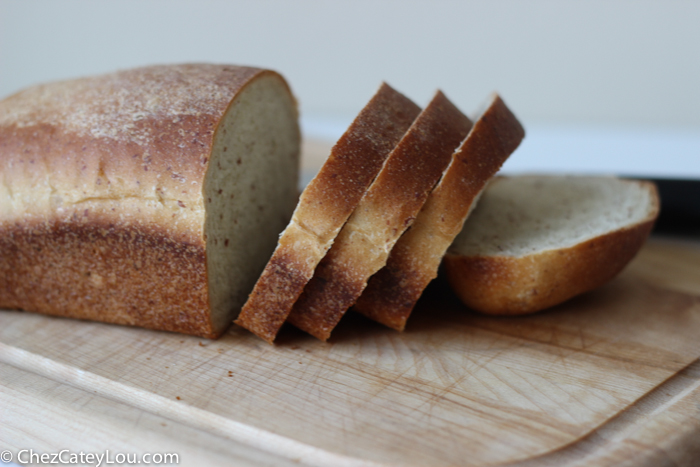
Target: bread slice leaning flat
(323,208)
(536,241)
(387,209)
(392,292)
(150,197)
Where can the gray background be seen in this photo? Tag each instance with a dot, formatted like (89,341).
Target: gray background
(630,67)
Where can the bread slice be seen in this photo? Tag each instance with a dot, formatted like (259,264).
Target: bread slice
(536,241)
(150,197)
(323,208)
(392,292)
(386,210)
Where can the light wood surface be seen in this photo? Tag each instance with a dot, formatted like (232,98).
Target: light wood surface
(610,378)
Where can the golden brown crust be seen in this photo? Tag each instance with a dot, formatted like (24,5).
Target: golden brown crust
(323,208)
(518,285)
(142,128)
(385,212)
(393,291)
(355,161)
(92,269)
(102,178)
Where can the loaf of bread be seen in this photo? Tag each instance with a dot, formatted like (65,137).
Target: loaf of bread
(323,208)
(535,241)
(386,210)
(150,197)
(392,292)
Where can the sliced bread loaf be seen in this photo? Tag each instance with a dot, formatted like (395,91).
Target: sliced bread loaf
(323,208)
(392,292)
(386,210)
(536,241)
(150,197)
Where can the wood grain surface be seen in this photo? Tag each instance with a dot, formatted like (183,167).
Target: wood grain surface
(609,378)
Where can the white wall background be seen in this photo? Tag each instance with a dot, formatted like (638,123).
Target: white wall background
(609,86)
(593,61)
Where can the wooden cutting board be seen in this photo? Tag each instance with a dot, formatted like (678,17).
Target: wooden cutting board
(610,378)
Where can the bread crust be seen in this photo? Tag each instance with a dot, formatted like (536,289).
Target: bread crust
(506,285)
(79,268)
(323,208)
(102,211)
(387,209)
(392,292)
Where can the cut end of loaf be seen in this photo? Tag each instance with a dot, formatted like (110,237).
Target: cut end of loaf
(250,191)
(536,241)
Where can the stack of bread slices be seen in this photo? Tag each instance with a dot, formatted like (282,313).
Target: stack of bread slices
(394,223)
(371,229)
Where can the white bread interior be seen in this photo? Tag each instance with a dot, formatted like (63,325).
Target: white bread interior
(523,215)
(248,191)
